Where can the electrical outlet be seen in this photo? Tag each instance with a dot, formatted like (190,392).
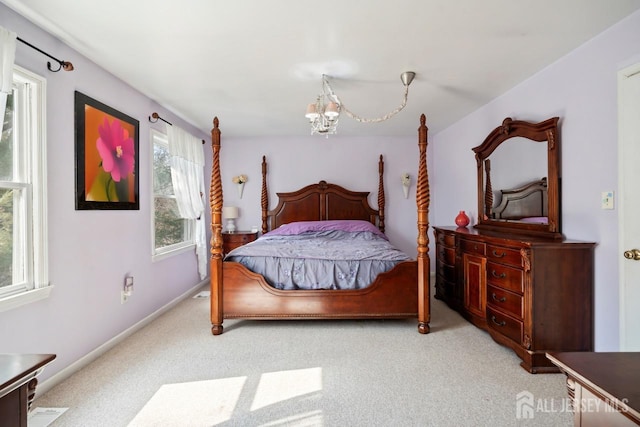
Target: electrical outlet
(607,200)
(128,285)
(127,289)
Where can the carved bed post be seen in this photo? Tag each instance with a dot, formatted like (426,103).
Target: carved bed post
(215,201)
(488,192)
(422,201)
(264,197)
(381,194)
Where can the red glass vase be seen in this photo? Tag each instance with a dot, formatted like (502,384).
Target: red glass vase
(462,220)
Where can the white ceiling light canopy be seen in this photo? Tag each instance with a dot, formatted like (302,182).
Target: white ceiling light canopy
(323,115)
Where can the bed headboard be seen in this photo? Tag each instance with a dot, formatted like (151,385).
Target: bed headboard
(527,201)
(320,202)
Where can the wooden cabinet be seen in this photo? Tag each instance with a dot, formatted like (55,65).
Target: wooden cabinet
(236,239)
(531,294)
(474,280)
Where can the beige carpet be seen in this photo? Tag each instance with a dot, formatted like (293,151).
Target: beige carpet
(307,373)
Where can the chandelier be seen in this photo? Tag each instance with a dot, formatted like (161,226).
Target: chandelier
(323,115)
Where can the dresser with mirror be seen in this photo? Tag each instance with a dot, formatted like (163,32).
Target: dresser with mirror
(514,274)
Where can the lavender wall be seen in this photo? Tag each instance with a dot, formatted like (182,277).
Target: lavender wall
(581,89)
(349,162)
(90,252)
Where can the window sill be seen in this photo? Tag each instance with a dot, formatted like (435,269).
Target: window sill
(176,250)
(23,298)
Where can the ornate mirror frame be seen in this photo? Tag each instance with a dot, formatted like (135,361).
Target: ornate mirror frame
(545,132)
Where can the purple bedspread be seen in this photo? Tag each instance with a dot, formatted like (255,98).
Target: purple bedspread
(327,259)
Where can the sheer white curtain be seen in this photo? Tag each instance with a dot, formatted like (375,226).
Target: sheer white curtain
(187,175)
(7,57)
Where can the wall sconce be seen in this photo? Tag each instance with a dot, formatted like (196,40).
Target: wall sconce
(406,182)
(239,180)
(230,213)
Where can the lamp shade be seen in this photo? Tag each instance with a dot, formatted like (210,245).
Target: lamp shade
(332,110)
(230,212)
(312,112)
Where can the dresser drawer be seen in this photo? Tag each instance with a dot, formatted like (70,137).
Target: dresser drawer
(239,238)
(446,255)
(446,239)
(448,272)
(471,247)
(445,287)
(505,277)
(504,255)
(505,301)
(506,325)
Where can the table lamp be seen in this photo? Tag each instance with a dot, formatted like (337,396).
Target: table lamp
(230,213)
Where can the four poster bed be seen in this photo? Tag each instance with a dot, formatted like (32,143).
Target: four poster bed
(402,291)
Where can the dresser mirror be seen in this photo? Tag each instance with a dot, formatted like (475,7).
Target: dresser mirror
(519,178)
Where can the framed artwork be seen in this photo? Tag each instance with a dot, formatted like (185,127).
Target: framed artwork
(107,159)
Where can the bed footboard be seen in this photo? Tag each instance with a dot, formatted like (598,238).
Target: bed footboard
(248,295)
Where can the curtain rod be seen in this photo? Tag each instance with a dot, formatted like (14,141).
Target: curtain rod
(154,117)
(64,65)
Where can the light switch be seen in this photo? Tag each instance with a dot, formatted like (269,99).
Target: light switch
(607,200)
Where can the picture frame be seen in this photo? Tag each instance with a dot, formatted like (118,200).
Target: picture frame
(107,158)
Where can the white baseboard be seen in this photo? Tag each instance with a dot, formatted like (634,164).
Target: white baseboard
(51,382)
(65,373)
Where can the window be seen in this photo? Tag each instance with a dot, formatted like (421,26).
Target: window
(170,233)
(24,273)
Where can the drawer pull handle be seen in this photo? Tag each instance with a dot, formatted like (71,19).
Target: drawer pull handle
(498,276)
(493,319)
(495,298)
(497,255)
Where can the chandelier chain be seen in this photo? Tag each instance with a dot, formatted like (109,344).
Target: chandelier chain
(324,117)
(356,117)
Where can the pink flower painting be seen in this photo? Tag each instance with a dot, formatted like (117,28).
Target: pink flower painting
(116,149)
(107,147)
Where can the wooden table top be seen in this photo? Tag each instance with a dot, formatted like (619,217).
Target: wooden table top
(16,369)
(615,375)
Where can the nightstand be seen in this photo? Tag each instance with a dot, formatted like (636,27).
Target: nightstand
(236,239)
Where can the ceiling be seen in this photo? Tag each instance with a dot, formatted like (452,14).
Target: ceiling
(256,64)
